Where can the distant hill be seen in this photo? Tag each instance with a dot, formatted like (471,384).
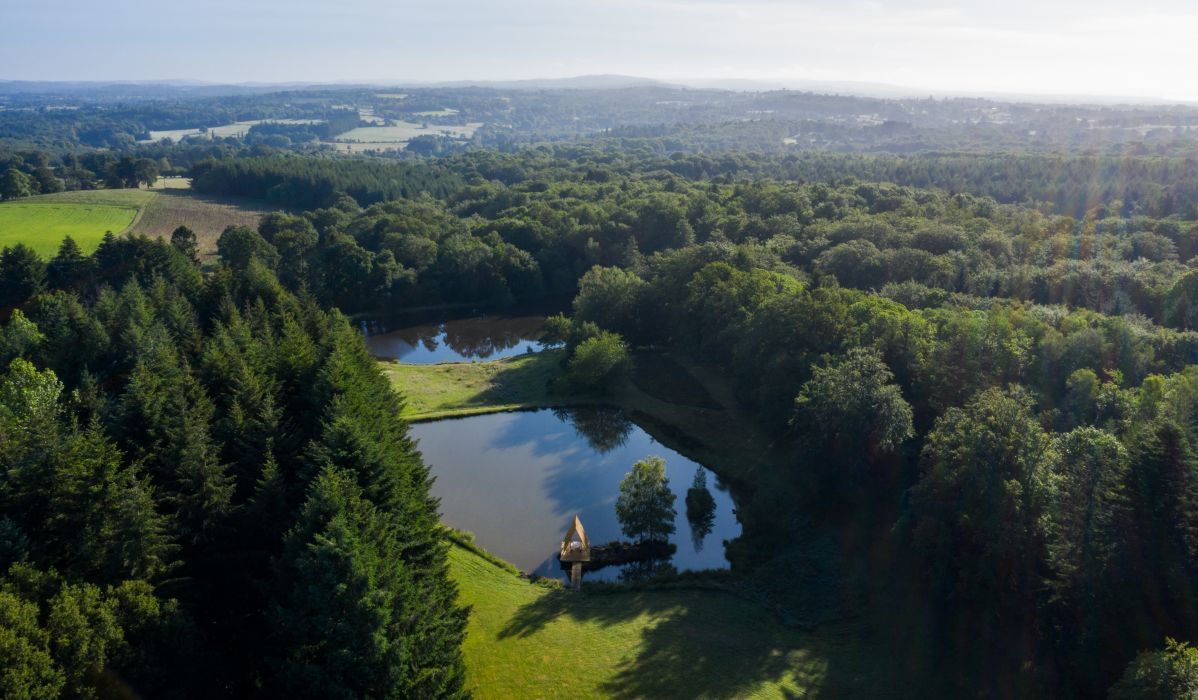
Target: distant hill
(581,82)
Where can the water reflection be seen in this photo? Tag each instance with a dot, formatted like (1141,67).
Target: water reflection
(700,509)
(463,340)
(517,479)
(604,429)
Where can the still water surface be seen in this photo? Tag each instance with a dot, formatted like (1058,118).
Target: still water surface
(516,479)
(462,340)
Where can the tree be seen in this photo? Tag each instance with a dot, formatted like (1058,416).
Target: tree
(645,506)
(557,330)
(70,267)
(63,638)
(1181,303)
(15,184)
(983,487)
(22,274)
(131,172)
(348,603)
(598,361)
(1091,538)
(1163,490)
(856,263)
(1168,674)
(293,237)
(27,669)
(184,241)
(610,298)
(238,245)
(852,408)
(361,435)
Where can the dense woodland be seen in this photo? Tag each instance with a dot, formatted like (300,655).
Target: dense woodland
(207,491)
(983,366)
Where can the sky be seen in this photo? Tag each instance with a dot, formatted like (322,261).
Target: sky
(1144,48)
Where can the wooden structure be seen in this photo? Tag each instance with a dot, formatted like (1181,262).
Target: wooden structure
(576,550)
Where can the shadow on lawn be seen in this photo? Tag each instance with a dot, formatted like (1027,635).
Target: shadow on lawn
(689,652)
(522,382)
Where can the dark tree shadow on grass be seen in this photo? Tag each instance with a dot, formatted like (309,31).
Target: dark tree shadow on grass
(703,644)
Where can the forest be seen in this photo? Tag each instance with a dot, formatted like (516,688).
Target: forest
(978,372)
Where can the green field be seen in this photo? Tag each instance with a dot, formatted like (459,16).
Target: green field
(42,222)
(466,388)
(526,640)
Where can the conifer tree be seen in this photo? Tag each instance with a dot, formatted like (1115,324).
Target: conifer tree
(347,618)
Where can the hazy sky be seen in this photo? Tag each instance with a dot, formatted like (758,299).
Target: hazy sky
(1143,48)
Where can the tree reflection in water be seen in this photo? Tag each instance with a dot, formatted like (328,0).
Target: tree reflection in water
(470,339)
(700,509)
(604,429)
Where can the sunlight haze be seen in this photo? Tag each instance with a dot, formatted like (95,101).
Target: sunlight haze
(1020,47)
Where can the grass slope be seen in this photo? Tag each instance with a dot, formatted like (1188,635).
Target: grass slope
(526,640)
(467,388)
(42,222)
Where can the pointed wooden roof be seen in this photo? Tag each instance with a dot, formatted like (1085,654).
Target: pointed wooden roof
(577,552)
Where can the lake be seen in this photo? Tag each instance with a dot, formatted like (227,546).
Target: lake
(517,479)
(462,340)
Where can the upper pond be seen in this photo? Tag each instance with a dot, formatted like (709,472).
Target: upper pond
(462,340)
(516,479)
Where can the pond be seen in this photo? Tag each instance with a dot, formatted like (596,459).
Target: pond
(462,340)
(517,479)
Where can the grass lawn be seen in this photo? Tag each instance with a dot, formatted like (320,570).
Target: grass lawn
(42,222)
(468,388)
(528,641)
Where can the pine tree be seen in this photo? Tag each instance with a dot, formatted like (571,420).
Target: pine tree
(348,617)
(364,439)
(70,267)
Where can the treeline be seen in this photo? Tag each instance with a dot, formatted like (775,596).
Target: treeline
(1130,181)
(509,228)
(312,183)
(32,172)
(206,491)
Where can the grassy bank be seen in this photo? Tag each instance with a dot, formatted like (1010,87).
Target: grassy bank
(526,640)
(468,388)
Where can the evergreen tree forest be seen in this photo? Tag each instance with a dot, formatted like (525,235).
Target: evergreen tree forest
(206,491)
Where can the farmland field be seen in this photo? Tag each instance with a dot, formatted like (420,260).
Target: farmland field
(226,130)
(206,216)
(404,132)
(42,222)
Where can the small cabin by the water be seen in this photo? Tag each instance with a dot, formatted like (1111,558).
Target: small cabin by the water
(576,549)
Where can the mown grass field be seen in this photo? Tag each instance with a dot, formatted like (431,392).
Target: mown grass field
(467,388)
(526,640)
(42,222)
